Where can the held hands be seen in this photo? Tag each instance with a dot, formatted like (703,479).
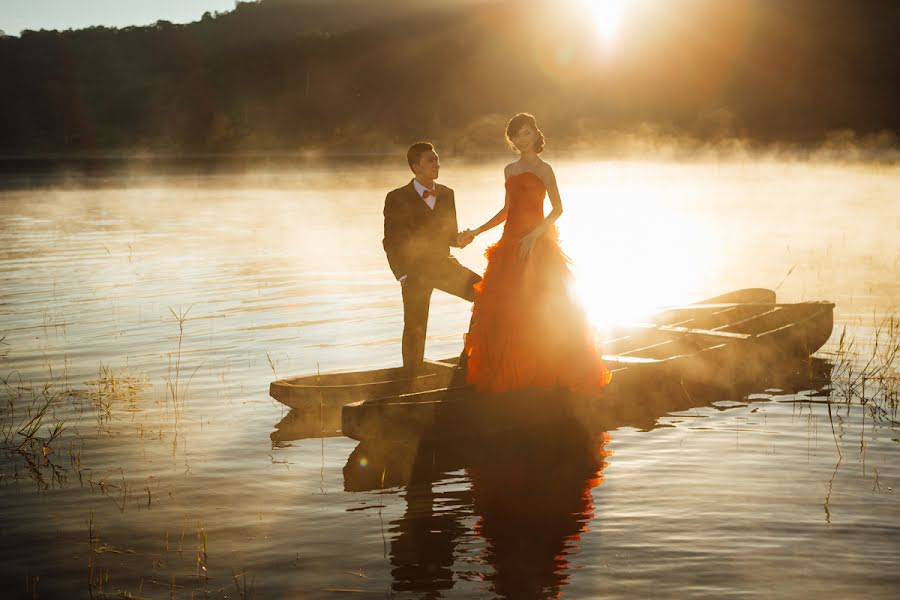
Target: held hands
(464,238)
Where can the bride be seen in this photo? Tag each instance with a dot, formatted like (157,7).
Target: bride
(527,330)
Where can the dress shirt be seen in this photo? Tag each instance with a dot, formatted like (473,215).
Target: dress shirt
(421,189)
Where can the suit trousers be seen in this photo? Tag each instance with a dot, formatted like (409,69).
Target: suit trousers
(448,276)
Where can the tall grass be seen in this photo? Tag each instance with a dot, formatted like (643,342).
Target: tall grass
(28,423)
(245,590)
(111,388)
(34,426)
(172,385)
(868,373)
(176,390)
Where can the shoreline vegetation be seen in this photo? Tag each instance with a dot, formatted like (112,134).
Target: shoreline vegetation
(334,78)
(20,170)
(647,141)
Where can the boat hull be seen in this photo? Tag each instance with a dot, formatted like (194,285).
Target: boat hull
(756,341)
(340,388)
(335,389)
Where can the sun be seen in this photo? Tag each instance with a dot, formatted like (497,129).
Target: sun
(608,16)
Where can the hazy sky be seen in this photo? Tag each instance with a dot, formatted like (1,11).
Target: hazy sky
(16,15)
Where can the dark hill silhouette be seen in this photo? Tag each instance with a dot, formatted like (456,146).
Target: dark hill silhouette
(282,75)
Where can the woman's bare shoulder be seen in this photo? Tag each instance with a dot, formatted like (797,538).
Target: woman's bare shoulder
(543,170)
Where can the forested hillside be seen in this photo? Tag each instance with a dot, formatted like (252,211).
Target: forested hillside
(290,74)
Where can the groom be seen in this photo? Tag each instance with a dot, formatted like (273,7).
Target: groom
(419,228)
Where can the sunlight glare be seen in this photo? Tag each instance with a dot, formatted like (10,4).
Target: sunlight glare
(632,252)
(608,16)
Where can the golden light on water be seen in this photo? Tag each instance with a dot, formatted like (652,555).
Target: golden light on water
(633,252)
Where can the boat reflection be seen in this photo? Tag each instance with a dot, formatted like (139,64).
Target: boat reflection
(528,496)
(300,424)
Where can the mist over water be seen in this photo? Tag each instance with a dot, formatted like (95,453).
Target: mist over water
(280,272)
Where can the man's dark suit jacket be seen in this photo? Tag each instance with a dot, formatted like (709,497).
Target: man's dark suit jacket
(417,237)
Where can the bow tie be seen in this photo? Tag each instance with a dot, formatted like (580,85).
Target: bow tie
(427,193)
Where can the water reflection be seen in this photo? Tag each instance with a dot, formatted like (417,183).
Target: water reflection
(528,496)
(424,540)
(533,506)
(90,271)
(314,422)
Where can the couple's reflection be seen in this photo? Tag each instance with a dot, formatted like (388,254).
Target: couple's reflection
(533,509)
(528,497)
(424,541)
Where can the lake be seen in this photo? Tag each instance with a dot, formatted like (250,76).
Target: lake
(144,315)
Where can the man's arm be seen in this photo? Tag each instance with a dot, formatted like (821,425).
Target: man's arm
(396,236)
(453,232)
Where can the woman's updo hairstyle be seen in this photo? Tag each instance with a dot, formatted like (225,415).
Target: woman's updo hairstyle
(519,121)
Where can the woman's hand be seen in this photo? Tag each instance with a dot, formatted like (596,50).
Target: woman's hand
(528,242)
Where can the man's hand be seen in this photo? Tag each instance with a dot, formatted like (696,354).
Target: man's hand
(464,238)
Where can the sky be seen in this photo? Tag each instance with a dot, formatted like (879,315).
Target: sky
(16,15)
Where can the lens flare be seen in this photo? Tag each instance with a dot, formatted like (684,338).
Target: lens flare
(632,250)
(608,16)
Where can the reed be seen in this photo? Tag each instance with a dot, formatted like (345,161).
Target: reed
(38,424)
(172,386)
(203,557)
(28,425)
(111,387)
(271,364)
(107,489)
(245,590)
(867,373)
(174,390)
(96,580)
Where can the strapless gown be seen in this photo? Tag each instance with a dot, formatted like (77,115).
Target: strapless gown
(528,331)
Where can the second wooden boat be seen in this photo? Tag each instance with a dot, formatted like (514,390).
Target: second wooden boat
(712,343)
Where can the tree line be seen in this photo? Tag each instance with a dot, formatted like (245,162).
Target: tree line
(282,75)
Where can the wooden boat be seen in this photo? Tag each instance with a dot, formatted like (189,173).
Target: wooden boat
(335,389)
(615,411)
(383,463)
(723,341)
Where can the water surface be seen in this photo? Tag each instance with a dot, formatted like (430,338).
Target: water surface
(171,478)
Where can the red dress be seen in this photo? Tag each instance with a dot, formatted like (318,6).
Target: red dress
(527,330)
